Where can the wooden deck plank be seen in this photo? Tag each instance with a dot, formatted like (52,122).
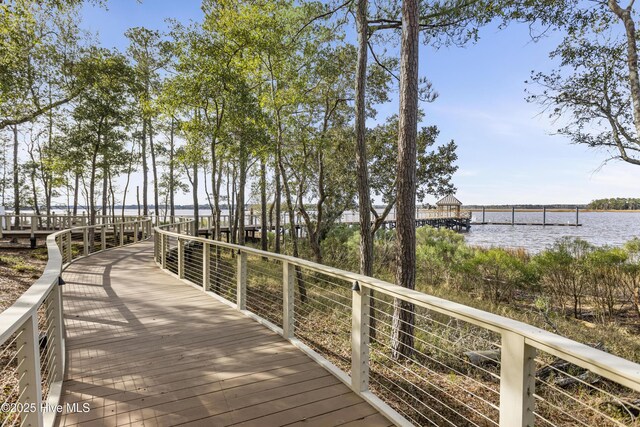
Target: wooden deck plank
(143,348)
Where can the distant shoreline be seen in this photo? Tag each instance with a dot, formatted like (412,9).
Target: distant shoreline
(479,209)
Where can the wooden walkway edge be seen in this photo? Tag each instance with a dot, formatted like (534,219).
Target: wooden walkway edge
(145,349)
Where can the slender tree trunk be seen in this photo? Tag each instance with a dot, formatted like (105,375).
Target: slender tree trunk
(196,207)
(92,181)
(35,191)
(4,174)
(294,237)
(145,170)
(76,189)
(364,198)
(216,202)
(234,224)
(264,236)
(364,195)
(626,16)
(277,202)
(126,187)
(105,188)
(403,314)
(16,176)
(156,202)
(138,198)
(241,199)
(172,185)
(112,198)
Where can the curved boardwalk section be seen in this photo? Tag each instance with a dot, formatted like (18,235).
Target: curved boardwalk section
(146,349)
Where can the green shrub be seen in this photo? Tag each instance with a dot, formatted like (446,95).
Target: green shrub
(437,253)
(605,268)
(496,272)
(562,273)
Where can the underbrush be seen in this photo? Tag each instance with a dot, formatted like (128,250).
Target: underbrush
(453,372)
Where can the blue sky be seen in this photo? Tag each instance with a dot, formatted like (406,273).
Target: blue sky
(507,153)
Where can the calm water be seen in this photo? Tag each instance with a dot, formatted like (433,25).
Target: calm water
(600,228)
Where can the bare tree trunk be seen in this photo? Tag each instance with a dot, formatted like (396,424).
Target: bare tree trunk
(196,207)
(364,196)
(626,16)
(105,189)
(145,170)
(75,193)
(113,199)
(294,237)
(156,202)
(16,176)
(277,205)
(138,198)
(35,191)
(92,181)
(4,174)
(126,187)
(264,243)
(241,184)
(172,185)
(403,312)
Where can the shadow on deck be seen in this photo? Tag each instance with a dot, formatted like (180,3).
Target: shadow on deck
(143,348)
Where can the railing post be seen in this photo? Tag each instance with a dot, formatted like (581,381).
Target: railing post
(69,251)
(58,336)
(163,253)
(30,385)
(121,234)
(241,277)
(206,266)
(103,237)
(517,381)
(180,258)
(85,241)
(359,338)
(288,282)
(135,232)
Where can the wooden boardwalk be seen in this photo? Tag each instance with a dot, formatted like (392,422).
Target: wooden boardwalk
(144,348)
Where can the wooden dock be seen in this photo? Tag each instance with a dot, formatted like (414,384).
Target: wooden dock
(144,348)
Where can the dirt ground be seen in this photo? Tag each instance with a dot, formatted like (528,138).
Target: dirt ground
(19,269)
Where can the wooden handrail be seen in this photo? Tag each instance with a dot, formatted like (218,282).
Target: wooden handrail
(22,316)
(519,340)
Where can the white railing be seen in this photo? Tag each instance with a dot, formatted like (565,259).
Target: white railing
(438,214)
(33,222)
(463,366)
(32,338)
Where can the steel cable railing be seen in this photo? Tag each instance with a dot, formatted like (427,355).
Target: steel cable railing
(418,359)
(32,345)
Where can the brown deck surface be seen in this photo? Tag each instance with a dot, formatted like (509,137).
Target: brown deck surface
(143,348)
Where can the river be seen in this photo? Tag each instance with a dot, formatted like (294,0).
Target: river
(599,228)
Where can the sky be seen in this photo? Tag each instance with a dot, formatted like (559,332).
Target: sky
(507,152)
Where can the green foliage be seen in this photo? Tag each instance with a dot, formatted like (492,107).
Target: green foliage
(341,247)
(497,273)
(562,272)
(438,253)
(17,264)
(618,203)
(434,164)
(595,89)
